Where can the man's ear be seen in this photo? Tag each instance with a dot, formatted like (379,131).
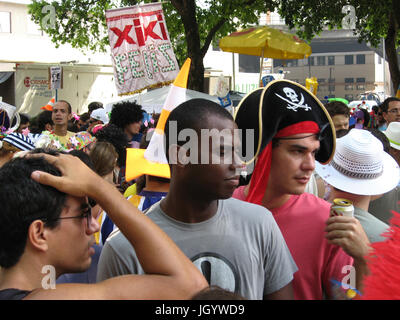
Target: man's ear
(70,116)
(178,155)
(38,235)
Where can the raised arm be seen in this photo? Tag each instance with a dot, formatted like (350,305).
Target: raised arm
(169,273)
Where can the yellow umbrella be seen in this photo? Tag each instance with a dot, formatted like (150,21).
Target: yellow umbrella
(267,42)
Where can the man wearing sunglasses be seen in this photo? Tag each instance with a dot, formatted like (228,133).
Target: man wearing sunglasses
(46,223)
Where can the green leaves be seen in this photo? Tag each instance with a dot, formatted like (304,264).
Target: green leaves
(80,23)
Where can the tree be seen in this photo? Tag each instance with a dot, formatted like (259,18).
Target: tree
(192,28)
(374,20)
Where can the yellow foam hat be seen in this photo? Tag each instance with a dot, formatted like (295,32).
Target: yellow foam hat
(152,161)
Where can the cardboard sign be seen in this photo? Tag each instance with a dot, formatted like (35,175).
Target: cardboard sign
(55,77)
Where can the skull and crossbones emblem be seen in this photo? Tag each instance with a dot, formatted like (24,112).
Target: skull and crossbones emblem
(293,100)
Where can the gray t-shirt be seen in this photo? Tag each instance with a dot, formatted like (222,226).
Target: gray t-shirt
(240,249)
(372,226)
(383,206)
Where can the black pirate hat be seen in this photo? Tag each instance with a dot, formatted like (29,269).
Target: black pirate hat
(282,104)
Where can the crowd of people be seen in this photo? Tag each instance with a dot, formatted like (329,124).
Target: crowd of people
(227,223)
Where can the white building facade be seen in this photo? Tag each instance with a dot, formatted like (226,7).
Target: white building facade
(25,58)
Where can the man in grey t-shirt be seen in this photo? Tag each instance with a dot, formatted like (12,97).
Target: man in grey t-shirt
(240,249)
(237,245)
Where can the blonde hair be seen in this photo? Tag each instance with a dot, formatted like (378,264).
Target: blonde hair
(104,157)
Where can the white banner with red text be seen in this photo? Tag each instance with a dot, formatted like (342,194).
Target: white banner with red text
(141,50)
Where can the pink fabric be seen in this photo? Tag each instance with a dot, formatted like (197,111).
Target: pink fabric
(302,223)
(239,193)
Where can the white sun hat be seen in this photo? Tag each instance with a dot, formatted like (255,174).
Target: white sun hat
(393,134)
(360,166)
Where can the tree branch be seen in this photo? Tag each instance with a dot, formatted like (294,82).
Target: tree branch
(218,25)
(211,35)
(178,4)
(390,48)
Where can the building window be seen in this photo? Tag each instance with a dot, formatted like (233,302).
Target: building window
(360,80)
(348,59)
(361,87)
(349,97)
(360,59)
(310,61)
(348,80)
(331,88)
(5,22)
(331,60)
(293,63)
(331,80)
(321,61)
(321,80)
(348,87)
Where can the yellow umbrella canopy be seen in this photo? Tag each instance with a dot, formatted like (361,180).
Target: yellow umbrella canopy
(266,42)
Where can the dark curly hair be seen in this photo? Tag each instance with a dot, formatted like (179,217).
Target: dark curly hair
(116,136)
(125,113)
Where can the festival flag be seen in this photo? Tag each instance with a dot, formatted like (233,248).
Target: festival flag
(49,106)
(141,50)
(153,161)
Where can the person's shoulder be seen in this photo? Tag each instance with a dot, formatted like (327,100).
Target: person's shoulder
(236,203)
(245,210)
(116,239)
(365,216)
(309,205)
(239,193)
(154,210)
(312,200)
